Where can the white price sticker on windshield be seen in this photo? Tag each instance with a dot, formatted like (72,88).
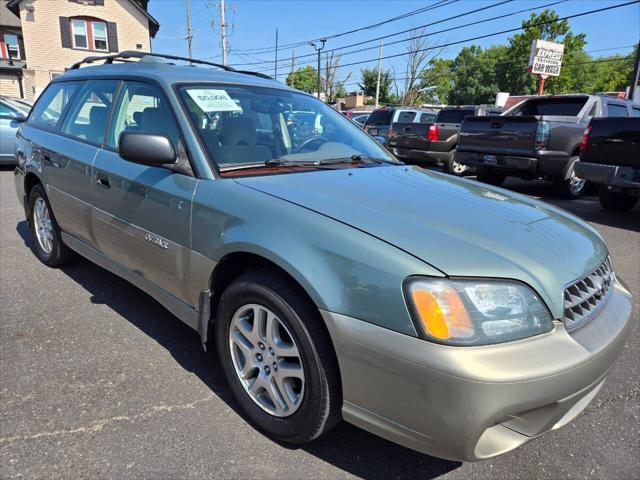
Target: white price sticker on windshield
(210,100)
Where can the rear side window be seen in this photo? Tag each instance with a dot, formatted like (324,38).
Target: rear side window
(453,116)
(380,117)
(406,116)
(569,107)
(427,117)
(88,115)
(617,110)
(142,108)
(52,103)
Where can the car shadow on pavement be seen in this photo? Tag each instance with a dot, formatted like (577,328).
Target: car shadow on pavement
(586,207)
(346,447)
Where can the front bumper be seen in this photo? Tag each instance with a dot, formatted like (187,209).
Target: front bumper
(619,177)
(471,403)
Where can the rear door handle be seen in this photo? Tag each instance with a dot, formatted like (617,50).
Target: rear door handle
(103,180)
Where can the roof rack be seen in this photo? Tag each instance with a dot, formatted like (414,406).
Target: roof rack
(125,55)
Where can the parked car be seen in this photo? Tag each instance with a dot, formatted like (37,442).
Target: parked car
(12,114)
(538,138)
(435,143)
(332,281)
(379,122)
(610,157)
(360,119)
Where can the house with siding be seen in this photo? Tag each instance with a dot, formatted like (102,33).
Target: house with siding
(39,39)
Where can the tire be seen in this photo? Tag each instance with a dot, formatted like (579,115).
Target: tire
(571,187)
(47,242)
(456,168)
(318,394)
(616,201)
(491,178)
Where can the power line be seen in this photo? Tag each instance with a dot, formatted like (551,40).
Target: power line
(438,4)
(498,17)
(493,34)
(604,60)
(377,39)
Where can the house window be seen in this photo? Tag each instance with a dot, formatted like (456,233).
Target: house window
(11,49)
(79,29)
(89,34)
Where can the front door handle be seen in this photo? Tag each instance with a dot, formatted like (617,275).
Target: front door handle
(103,180)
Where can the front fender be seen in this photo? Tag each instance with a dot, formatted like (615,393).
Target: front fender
(343,270)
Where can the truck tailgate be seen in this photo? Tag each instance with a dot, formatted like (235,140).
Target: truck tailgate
(412,136)
(504,134)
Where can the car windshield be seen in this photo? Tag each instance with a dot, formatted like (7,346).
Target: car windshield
(569,106)
(244,126)
(380,117)
(453,115)
(20,106)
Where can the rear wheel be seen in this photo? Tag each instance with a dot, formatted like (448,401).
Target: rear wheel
(573,186)
(616,201)
(492,178)
(47,242)
(277,357)
(456,168)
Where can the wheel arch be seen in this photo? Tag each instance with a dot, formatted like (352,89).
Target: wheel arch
(237,263)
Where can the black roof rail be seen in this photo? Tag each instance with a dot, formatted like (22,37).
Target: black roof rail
(125,55)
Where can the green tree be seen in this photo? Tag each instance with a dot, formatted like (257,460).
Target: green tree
(304,78)
(477,74)
(518,81)
(438,75)
(369,78)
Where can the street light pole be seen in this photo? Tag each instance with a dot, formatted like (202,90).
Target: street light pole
(318,48)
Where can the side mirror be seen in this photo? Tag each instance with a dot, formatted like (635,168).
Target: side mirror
(14,116)
(147,149)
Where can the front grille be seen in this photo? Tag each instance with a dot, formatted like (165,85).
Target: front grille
(583,298)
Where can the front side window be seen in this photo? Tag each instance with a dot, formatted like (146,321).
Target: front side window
(142,108)
(87,117)
(244,125)
(52,103)
(11,45)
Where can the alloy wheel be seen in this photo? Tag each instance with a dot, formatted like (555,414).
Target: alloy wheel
(576,184)
(266,360)
(43,225)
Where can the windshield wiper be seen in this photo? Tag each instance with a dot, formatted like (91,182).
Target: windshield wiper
(305,163)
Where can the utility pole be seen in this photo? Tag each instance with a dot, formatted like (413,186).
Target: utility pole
(379,71)
(275,75)
(293,59)
(189,36)
(318,48)
(223,33)
(634,77)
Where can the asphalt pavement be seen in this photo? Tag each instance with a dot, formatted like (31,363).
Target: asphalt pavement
(97,380)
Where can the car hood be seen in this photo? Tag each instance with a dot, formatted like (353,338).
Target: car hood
(461,227)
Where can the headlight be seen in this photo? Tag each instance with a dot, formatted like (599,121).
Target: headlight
(476,312)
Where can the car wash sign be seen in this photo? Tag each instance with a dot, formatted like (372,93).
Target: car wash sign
(546,58)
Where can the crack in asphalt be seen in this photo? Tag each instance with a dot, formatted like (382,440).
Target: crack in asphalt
(100,424)
(624,396)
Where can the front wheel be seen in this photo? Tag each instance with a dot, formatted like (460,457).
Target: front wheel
(616,201)
(277,357)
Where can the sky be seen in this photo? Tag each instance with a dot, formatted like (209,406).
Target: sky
(253,24)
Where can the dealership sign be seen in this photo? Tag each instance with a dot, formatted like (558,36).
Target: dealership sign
(546,58)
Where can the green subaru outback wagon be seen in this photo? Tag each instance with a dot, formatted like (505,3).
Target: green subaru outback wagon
(333,282)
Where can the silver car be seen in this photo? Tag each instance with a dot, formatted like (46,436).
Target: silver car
(12,113)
